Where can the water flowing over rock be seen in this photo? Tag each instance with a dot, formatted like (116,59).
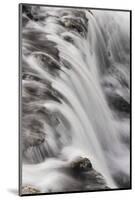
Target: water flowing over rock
(75,99)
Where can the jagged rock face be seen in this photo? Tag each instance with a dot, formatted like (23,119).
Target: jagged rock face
(83,171)
(75,100)
(81,164)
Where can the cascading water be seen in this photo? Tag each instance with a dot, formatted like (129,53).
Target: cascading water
(75,97)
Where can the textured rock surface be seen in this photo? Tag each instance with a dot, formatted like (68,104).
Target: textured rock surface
(30,190)
(90,178)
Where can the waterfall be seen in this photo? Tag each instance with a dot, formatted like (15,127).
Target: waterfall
(75,95)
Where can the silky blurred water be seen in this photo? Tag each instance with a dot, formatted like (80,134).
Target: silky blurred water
(76,69)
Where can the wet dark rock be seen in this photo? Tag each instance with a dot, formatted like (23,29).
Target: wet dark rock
(26,9)
(81,164)
(81,170)
(32,13)
(75,25)
(33,132)
(38,92)
(74,20)
(93,180)
(65,63)
(48,63)
(69,39)
(90,12)
(117,73)
(118,103)
(30,76)
(35,146)
(39,43)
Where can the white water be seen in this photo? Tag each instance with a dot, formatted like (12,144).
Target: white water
(87,124)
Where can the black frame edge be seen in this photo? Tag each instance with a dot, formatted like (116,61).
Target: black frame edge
(19,87)
(79,7)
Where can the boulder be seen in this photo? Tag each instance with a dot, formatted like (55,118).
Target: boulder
(81,164)
(89,178)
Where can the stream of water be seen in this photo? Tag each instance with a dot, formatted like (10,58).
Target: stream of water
(75,95)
